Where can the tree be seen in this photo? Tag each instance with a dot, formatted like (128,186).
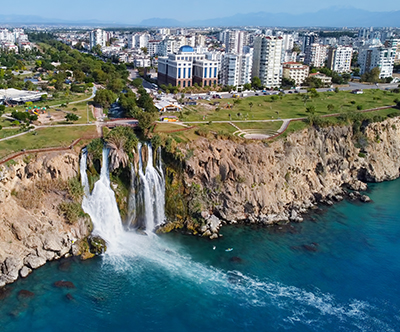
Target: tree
(310,109)
(247,86)
(296,48)
(371,76)
(137,82)
(71,117)
(79,75)
(305,98)
(337,90)
(251,105)
(287,82)
(146,119)
(144,50)
(2,109)
(330,107)
(105,97)
(256,82)
(43,97)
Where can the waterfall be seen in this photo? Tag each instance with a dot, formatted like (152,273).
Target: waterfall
(84,178)
(102,206)
(145,202)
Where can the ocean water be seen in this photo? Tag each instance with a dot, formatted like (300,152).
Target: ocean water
(339,270)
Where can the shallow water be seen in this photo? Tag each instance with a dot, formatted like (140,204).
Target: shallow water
(336,271)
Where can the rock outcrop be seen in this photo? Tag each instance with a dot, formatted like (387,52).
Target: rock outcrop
(278,181)
(31,236)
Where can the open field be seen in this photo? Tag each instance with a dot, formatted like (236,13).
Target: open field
(267,126)
(9,132)
(290,106)
(45,138)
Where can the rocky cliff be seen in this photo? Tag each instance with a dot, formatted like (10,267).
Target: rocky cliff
(270,182)
(32,229)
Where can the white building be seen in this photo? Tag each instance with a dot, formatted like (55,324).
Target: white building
(186,68)
(295,71)
(315,55)
(153,47)
(376,55)
(234,40)
(267,60)
(339,58)
(236,69)
(98,37)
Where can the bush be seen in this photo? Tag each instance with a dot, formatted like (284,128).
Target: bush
(361,155)
(359,107)
(203,132)
(71,211)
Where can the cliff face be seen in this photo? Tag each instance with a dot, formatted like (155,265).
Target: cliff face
(260,182)
(32,231)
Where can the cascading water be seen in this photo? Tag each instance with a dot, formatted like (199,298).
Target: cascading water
(147,192)
(101,204)
(85,182)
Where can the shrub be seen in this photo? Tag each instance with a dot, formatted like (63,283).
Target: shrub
(71,211)
(361,155)
(203,132)
(359,107)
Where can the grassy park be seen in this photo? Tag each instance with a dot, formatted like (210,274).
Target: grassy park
(289,106)
(45,138)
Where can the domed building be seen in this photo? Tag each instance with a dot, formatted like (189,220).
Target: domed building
(186,67)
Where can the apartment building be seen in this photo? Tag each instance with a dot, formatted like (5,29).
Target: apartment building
(376,55)
(315,55)
(295,71)
(186,68)
(267,60)
(339,58)
(236,69)
(394,44)
(234,40)
(153,47)
(98,37)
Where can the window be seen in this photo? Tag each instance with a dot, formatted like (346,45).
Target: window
(215,72)
(184,72)
(179,73)
(184,84)
(188,83)
(205,72)
(189,72)
(210,75)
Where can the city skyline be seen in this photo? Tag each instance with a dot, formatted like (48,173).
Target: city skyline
(129,13)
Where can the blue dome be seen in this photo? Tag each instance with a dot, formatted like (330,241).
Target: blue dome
(186,48)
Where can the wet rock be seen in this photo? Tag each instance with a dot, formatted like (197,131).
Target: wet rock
(97,245)
(69,297)
(64,284)
(34,261)
(64,265)
(207,233)
(25,271)
(365,199)
(4,293)
(214,236)
(25,294)
(235,259)
(214,224)
(313,247)
(10,268)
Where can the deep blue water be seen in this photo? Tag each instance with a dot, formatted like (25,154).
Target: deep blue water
(337,271)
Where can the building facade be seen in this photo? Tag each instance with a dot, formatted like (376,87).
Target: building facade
(315,55)
(236,69)
(339,58)
(267,60)
(379,56)
(98,37)
(186,68)
(295,71)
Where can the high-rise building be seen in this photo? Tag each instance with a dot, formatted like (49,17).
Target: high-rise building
(394,43)
(98,37)
(153,47)
(308,39)
(339,58)
(186,68)
(267,60)
(234,40)
(315,55)
(376,55)
(236,69)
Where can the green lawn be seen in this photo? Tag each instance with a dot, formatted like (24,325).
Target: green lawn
(167,127)
(290,106)
(45,138)
(9,132)
(270,126)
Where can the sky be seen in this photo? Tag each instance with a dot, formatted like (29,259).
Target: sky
(134,11)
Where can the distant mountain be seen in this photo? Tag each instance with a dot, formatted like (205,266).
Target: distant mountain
(33,19)
(161,22)
(331,17)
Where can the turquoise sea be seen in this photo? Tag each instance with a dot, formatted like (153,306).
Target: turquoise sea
(339,270)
